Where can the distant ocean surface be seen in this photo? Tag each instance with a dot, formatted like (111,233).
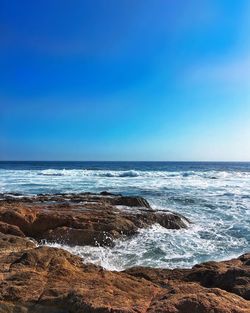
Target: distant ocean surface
(214,196)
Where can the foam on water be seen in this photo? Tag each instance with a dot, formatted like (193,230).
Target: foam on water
(159,247)
(216,198)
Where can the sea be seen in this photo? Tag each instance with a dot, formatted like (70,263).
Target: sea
(215,196)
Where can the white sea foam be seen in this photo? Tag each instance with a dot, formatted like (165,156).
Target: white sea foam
(157,247)
(218,202)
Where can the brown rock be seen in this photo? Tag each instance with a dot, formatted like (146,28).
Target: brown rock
(82,219)
(159,276)
(49,280)
(59,282)
(10,229)
(192,298)
(233,275)
(130,201)
(81,237)
(10,243)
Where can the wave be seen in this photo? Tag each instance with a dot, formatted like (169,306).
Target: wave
(217,202)
(52,174)
(112,173)
(101,173)
(183,175)
(159,247)
(131,173)
(150,178)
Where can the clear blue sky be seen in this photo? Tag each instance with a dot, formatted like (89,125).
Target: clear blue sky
(125,80)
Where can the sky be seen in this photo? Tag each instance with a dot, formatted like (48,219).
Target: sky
(125,80)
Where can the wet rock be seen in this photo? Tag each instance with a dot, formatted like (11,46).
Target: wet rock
(68,235)
(106,193)
(48,280)
(82,219)
(130,201)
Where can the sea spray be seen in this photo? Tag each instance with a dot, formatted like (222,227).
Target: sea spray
(214,196)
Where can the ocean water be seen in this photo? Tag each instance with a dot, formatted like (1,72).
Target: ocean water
(214,196)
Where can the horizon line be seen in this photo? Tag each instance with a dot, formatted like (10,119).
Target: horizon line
(156,161)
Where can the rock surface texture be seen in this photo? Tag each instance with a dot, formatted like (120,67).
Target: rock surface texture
(82,219)
(40,279)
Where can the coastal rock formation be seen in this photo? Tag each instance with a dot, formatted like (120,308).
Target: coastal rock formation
(232,276)
(47,279)
(39,279)
(82,219)
(10,243)
(10,229)
(192,298)
(50,280)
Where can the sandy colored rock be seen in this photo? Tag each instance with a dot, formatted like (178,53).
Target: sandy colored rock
(50,280)
(10,243)
(10,229)
(232,275)
(54,278)
(81,219)
(41,279)
(192,298)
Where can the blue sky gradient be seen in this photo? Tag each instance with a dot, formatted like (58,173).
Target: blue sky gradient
(125,80)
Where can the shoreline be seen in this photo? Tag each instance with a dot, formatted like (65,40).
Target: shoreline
(41,279)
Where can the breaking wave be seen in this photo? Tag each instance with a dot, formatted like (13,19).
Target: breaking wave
(134,173)
(216,201)
(159,247)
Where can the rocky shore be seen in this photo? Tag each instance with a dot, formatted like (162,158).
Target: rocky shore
(39,279)
(82,219)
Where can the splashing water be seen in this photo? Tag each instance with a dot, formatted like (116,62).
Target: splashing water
(214,196)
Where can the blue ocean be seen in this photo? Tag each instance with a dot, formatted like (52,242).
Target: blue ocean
(215,196)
